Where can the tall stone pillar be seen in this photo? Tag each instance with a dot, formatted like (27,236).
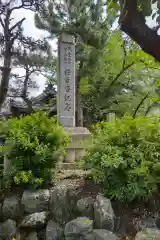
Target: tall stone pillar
(66,98)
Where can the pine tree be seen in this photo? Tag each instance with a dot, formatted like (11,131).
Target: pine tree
(15,47)
(83,19)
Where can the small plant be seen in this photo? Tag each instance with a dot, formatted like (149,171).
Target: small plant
(33,146)
(125,157)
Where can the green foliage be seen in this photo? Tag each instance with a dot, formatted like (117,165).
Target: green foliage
(33,145)
(115,74)
(122,76)
(83,19)
(125,157)
(144,6)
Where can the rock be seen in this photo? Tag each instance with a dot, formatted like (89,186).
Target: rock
(158,223)
(12,208)
(1,214)
(79,228)
(148,234)
(103,234)
(18,236)
(31,236)
(34,220)
(54,231)
(37,201)
(88,237)
(122,226)
(103,213)
(7,229)
(85,206)
(42,234)
(148,222)
(63,202)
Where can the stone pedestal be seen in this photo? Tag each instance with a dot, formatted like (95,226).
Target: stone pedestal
(80,139)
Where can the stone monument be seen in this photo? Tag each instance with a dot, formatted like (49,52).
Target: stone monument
(111,117)
(66,99)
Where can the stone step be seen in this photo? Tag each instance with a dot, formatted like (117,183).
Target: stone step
(67,166)
(69,174)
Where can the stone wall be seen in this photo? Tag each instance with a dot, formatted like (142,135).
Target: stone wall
(61,213)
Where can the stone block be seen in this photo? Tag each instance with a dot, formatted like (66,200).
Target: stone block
(12,208)
(36,201)
(32,236)
(79,228)
(63,201)
(85,206)
(8,229)
(80,139)
(54,231)
(102,234)
(103,213)
(34,220)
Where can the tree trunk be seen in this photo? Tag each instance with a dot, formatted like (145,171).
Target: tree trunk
(79,110)
(6,70)
(25,88)
(133,24)
(79,106)
(29,105)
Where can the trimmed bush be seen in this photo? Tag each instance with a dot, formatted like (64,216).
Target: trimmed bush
(33,145)
(125,157)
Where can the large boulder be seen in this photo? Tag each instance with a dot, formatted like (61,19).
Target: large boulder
(103,234)
(103,213)
(31,236)
(79,228)
(8,229)
(12,208)
(34,220)
(54,231)
(63,201)
(148,234)
(85,206)
(36,201)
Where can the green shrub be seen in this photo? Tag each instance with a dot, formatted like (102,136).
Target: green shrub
(125,157)
(33,144)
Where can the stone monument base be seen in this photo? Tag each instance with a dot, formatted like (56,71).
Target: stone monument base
(80,139)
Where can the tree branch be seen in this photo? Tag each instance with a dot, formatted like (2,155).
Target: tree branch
(124,68)
(151,106)
(141,102)
(23,5)
(133,24)
(148,66)
(24,90)
(1,22)
(19,23)
(125,53)
(121,72)
(3,7)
